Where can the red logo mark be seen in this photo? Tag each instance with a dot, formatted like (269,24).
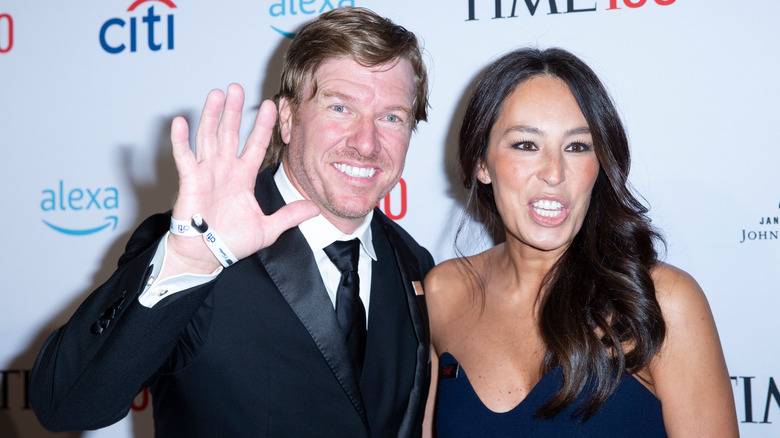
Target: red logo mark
(9,23)
(613,4)
(137,3)
(402,186)
(144,402)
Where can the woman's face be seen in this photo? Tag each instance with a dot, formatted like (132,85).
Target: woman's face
(541,163)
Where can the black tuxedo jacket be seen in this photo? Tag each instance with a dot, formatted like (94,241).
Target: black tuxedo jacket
(256,352)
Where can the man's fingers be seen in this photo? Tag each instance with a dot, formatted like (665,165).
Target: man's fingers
(291,215)
(180,142)
(260,137)
(206,137)
(229,125)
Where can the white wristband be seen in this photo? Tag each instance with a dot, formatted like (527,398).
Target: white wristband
(215,244)
(198,227)
(183,228)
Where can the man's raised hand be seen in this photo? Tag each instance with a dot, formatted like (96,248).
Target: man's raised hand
(219,184)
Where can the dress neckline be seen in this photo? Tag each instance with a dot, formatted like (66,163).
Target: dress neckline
(531,395)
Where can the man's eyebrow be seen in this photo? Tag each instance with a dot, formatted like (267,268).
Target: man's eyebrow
(402,108)
(336,94)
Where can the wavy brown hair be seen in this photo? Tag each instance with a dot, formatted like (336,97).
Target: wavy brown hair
(599,317)
(356,33)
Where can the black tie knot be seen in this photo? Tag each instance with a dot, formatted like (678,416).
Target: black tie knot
(344,254)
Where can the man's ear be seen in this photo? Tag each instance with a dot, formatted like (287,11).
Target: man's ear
(285,119)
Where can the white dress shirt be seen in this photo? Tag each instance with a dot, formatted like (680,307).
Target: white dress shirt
(319,233)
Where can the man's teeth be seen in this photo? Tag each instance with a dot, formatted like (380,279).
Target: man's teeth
(548,208)
(358,172)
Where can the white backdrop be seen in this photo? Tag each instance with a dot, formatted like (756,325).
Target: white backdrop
(85,155)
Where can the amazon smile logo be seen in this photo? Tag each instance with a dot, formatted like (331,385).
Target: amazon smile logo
(80,211)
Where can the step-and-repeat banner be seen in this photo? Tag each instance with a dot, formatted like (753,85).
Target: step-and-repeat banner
(88,90)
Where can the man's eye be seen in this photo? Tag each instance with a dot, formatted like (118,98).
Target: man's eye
(392,118)
(339,108)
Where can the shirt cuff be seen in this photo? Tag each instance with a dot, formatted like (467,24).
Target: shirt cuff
(156,290)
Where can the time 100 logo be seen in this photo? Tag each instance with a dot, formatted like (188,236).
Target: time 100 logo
(554,6)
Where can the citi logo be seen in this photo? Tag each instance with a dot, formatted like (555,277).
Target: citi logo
(117,34)
(6,33)
(292,8)
(71,208)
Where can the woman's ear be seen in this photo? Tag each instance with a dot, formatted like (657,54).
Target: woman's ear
(483,175)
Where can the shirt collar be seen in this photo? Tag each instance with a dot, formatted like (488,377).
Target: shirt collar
(318,231)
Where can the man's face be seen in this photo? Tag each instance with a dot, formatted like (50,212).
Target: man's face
(347,144)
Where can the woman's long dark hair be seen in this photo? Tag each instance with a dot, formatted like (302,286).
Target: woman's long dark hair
(599,316)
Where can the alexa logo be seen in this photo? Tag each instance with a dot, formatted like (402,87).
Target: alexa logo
(288,14)
(144,28)
(80,211)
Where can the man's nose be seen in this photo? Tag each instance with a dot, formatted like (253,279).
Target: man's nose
(364,138)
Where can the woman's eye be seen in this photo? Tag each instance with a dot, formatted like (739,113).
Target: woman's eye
(524,146)
(578,147)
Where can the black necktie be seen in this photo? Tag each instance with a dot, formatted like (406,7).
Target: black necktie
(349,309)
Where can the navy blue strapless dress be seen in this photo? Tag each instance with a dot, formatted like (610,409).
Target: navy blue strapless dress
(632,411)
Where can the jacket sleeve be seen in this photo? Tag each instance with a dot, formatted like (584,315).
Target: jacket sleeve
(90,370)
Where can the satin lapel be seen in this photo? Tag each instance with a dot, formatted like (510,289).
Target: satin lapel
(291,266)
(409,272)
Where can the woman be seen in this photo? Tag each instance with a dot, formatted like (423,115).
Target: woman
(571,327)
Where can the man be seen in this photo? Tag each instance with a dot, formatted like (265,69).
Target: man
(256,348)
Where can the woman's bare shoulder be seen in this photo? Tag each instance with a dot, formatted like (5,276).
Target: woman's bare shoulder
(446,281)
(677,291)
(450,290)
(455,276)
